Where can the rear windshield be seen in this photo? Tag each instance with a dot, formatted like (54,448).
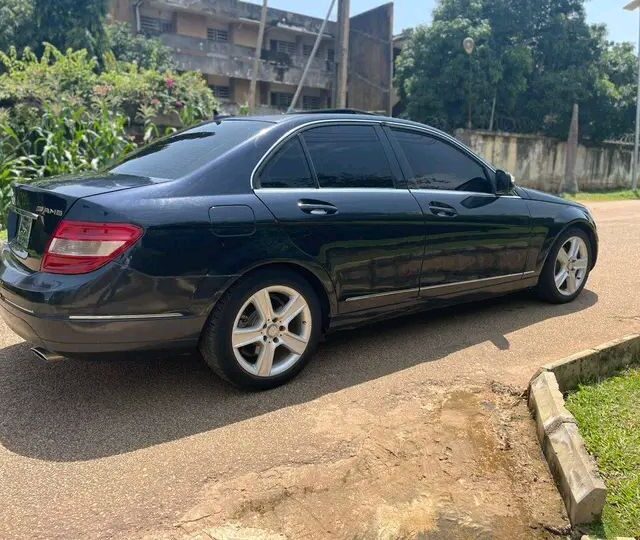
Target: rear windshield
(181,154)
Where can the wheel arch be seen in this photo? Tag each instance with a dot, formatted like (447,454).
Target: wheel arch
(318,280)
(578,223)
(593,238)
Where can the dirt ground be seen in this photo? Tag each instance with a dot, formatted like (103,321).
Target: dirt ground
(394,430)
(434,462)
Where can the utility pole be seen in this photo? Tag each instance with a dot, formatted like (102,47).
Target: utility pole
(469,45)
(634,162)
(256,59)
(343,53)
(311,57)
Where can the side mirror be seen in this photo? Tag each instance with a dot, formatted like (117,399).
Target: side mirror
(504,182)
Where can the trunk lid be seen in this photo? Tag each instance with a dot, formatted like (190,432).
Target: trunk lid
(38,209)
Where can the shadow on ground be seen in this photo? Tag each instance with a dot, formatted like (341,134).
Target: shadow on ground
(75,410)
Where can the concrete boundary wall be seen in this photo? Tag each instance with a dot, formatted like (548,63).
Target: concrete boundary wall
(539,162)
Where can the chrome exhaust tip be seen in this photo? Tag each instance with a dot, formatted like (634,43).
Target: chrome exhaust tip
(46,355)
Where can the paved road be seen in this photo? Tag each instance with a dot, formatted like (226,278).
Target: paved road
(122,448)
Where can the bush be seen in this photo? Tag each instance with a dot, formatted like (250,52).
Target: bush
(59,114)
(147,53)
(30,84)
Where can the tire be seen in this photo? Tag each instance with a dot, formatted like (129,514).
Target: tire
(241,309)
(547,288)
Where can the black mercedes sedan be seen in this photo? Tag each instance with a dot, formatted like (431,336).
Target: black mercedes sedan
(249,238)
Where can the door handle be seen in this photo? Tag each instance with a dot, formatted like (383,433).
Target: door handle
(317,208)
(442,209)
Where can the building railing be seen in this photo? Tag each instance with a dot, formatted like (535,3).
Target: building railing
(212,53)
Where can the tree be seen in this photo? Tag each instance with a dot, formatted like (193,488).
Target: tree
(76,24)
(613,102)
(15,16)
(148,53)
(536,57)
(437,79)
(438,92)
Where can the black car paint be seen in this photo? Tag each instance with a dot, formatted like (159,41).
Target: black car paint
(205,231)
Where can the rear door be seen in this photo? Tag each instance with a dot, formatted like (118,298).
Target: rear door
(475,237)
(333,187)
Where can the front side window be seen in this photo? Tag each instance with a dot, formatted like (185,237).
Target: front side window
(348,157)
(287,168)
(183,153)
(438,165)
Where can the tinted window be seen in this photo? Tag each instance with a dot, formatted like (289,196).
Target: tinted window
(288,168)
(438,165)
(183,153)
(348,157)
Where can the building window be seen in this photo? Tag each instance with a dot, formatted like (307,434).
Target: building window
(213,34)
(221,92)
(306,50)
(286,47)
(153,25)
(311,102)
(281,100)
(331,58)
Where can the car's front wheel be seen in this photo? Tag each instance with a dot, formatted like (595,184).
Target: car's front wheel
(566,271)
(263,331)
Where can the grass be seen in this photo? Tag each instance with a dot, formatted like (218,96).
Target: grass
(620,195)
(608,414)
(3,235)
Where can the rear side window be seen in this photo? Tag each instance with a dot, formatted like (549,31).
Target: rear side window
(183,153)
(348,157)
(438,165)
(288,168)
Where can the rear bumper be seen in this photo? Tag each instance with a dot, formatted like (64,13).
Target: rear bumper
(64,335)
(114,309)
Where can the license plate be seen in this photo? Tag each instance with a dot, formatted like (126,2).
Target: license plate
(21,241)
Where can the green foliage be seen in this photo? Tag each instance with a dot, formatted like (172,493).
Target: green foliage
(30,83)
(535,57)
(147,53)
(601,196)
(15,16)
(611,106)
(59,113)
(608,414)
(76,24)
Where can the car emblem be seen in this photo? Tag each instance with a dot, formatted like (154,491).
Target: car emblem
(43,210)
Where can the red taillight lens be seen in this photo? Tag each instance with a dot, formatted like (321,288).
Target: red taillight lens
(78,247)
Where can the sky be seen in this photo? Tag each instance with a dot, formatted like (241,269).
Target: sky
(623,25)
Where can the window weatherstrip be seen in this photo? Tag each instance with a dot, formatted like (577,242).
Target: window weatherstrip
(380,122)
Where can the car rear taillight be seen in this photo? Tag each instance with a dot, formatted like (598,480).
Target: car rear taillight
(78,247)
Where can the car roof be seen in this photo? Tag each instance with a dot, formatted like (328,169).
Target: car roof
(304,117)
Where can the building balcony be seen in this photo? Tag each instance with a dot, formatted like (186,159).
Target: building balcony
(236,61)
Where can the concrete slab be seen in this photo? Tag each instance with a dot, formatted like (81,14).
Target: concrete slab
(546,400)
(576,473)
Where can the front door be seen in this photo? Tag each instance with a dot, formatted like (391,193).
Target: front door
(474,237)
(333,188)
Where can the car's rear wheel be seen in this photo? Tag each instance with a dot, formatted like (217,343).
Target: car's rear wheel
(263,331)
(566,271)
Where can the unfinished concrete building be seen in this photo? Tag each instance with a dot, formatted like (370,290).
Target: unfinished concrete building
(218,38)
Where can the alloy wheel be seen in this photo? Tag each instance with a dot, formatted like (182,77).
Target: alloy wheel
(572,265)
(271,331)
